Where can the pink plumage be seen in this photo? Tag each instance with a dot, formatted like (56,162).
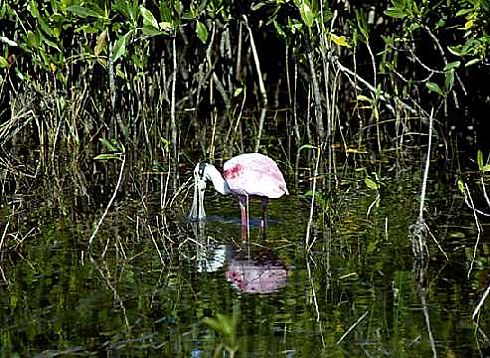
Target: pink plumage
(254,174)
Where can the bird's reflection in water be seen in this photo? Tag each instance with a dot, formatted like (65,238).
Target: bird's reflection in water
(257,271)
(210,255)
(250,269)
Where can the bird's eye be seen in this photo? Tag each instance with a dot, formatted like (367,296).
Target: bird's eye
(202,166)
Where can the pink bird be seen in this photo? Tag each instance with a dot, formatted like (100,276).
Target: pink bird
(250,174)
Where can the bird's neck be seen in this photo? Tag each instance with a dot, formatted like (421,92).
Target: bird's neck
(219,183)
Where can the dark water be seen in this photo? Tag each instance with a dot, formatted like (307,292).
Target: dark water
(157,285)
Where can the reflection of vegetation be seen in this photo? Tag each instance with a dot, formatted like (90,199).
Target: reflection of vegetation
(136,301)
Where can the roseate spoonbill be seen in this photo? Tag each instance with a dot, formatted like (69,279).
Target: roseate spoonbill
(249,174)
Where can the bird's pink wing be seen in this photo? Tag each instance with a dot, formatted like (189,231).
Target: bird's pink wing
(254,174)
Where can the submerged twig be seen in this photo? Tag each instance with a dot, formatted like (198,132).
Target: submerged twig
(483,334)
(4,234)
(419,244)
(469,203)
(354,325)
(480,304)
(315,301)
(109,204)
(435,240)
(485,195)
(426,170)
(312,204)
(4,278)
(117,297)
(156,247)
(422,292)
(478,227)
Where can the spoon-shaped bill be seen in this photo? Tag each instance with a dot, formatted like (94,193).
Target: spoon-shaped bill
(197,210)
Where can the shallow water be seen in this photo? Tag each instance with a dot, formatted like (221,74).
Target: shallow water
(156,285)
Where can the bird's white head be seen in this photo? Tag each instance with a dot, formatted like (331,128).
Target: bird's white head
(203,172)
(197,210)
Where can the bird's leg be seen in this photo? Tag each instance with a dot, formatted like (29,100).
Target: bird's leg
(243,201)
(264,206)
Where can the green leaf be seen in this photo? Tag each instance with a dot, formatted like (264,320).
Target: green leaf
(279,29)
(202,31)
(41,21)
(119,48)
(395,12)
(22,76)
(456,50)
(3,62)
(370,183)
(33,9)
(258,5)
(165,12)
(472,62)
(306,146)
(213,324)
(449,82)
(461,186)
(452,65)
(108,156)
(151,31)
(463,12)
(223,324)
(178,6)
(414,26)
(129,9)
(100,43)
(457,235)
(84,12)
(434,87)
(110,145)
(166,26)
(165,142)
(237,91)
(372,246)
(339,40)
(120,73)
(295,26)
(319,199)
(306,13)
(32,39)
(485,168)
(363,98)
(362,24)
(479,159)
(440,24)
(48,42)
(148,18)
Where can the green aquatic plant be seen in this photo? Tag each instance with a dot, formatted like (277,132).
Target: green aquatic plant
(483,168)
(226,327)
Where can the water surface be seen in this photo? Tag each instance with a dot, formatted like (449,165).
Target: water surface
(156,284)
